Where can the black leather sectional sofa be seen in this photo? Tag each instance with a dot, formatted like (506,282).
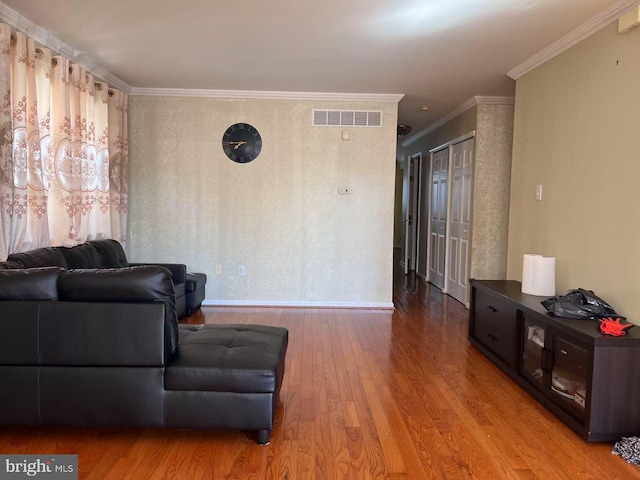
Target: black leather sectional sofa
(189,287)
(103,347)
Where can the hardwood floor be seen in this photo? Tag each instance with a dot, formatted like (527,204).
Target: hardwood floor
(367,394)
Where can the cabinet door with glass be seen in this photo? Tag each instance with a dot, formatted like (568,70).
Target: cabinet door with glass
(569,374)
(556,365)
(534,359)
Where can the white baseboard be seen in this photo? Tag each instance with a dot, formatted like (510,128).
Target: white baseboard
(294,304)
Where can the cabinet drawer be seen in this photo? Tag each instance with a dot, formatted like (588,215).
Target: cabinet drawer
(495,327)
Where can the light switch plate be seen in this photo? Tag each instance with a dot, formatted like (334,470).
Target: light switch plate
(538,192)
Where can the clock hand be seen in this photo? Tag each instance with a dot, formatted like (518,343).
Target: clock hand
(237,144)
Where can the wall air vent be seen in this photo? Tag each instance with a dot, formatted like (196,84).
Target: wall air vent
(347,118)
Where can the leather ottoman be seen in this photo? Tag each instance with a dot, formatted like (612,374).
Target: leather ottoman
(226,376)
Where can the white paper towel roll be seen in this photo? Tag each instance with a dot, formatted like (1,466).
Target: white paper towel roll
(538,275)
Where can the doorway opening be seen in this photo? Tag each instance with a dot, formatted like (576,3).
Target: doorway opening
(412,213)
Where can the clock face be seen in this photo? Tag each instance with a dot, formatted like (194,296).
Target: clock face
(241,143)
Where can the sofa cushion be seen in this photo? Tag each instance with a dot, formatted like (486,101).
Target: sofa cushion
(84,255)
(129,284)
(111,253)
(9,265)
(41,257)
(228,358)
(30,283)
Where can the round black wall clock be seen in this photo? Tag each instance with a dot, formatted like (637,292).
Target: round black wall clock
(242,143)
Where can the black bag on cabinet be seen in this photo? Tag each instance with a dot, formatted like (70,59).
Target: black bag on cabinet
(580,304)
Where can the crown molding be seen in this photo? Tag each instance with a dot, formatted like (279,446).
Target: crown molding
(482,100)
(269,95)
(585,30)
(45,39)
(470,103)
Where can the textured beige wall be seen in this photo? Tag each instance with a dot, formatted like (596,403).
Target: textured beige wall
(492,177)
(576,133)
(280,215)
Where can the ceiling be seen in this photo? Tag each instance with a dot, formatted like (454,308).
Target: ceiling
(438,53)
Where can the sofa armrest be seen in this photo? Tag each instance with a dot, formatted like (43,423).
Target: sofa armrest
(178,270)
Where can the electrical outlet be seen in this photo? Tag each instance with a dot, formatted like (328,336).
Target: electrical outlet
(242,270)
(218,269)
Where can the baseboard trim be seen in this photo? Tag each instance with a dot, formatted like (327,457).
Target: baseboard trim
(295,304)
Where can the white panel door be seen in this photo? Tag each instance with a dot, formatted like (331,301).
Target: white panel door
(437,235)
(460,221)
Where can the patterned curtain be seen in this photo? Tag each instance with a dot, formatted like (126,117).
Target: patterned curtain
(63,151)
(118,164)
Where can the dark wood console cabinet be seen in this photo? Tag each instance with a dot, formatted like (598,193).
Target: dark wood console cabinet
(589,380)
